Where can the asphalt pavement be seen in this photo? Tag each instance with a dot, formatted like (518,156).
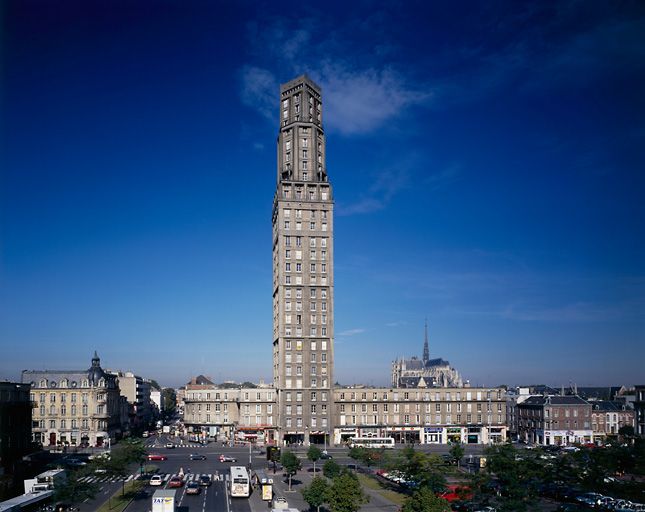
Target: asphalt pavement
(215,497)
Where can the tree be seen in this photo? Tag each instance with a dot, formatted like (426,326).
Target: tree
(125,454)
(425,500)
(313,454)
(316,494)
(291,464)
(518,475)
(421,468)
(169,398)
(457,452)
(345,493)
(73,490)
(331,469)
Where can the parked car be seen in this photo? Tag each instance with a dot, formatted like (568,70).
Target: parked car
(175,481)
(193,488)
(156,456)
(156,480)
(227,458)
(280,503)
(590,498)
(205,480)
(572,507)
(197,456)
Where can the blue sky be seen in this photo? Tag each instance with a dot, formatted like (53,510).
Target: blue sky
(487,163)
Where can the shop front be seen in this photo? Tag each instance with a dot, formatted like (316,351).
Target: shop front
(565,437)
(433,435)
(292,438)
(258,434)
(454,435)
(319,437)
(343,435)
(474,435)
(404,435)
(496,435)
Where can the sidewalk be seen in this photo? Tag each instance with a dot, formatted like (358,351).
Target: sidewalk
(303,479)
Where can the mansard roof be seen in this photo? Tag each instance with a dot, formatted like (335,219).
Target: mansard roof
(553,400)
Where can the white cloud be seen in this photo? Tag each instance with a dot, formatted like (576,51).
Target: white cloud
(259,90)
(357,99)
(351,332)
(360,101)
(387,183)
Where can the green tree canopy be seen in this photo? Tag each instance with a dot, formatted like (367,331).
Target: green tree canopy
(316,493)
(457,452)
(422,468)
(291,464)
(169,400)
(331,469)
(313,454)
(345,493)
(73,490)
(519,475)
(425,500)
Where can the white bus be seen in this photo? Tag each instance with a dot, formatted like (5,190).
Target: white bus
(371,442)
(240,482)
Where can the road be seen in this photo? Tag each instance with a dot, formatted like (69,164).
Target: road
(215,497)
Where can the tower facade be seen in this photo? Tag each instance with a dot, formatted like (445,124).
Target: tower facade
(303,269)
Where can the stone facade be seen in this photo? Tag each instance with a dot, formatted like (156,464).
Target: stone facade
(554,420)
(74,408)
(137,391)
(639,411)
(607,418)
(303,273)
(231,414)
(432,416)
(437,416)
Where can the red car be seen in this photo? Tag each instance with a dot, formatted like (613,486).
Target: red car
(175,481)
(156,456)
(456,493)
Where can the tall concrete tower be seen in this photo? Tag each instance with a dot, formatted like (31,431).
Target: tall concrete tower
(303,269)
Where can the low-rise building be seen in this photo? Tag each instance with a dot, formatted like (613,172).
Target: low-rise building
(426,416)
(74,407)
(555,420)
(15,424)
(229,413)
(137,391)
(607,418)
(639,411)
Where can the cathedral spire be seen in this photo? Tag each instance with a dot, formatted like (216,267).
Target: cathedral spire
(426,350)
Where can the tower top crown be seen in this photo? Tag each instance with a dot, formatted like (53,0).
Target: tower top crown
(298,82)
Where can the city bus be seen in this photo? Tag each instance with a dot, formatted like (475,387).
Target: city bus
(371,442)
(240,482)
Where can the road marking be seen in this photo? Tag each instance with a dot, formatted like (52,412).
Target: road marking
(228,509)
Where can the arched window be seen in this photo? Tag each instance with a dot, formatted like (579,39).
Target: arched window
(43,383)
